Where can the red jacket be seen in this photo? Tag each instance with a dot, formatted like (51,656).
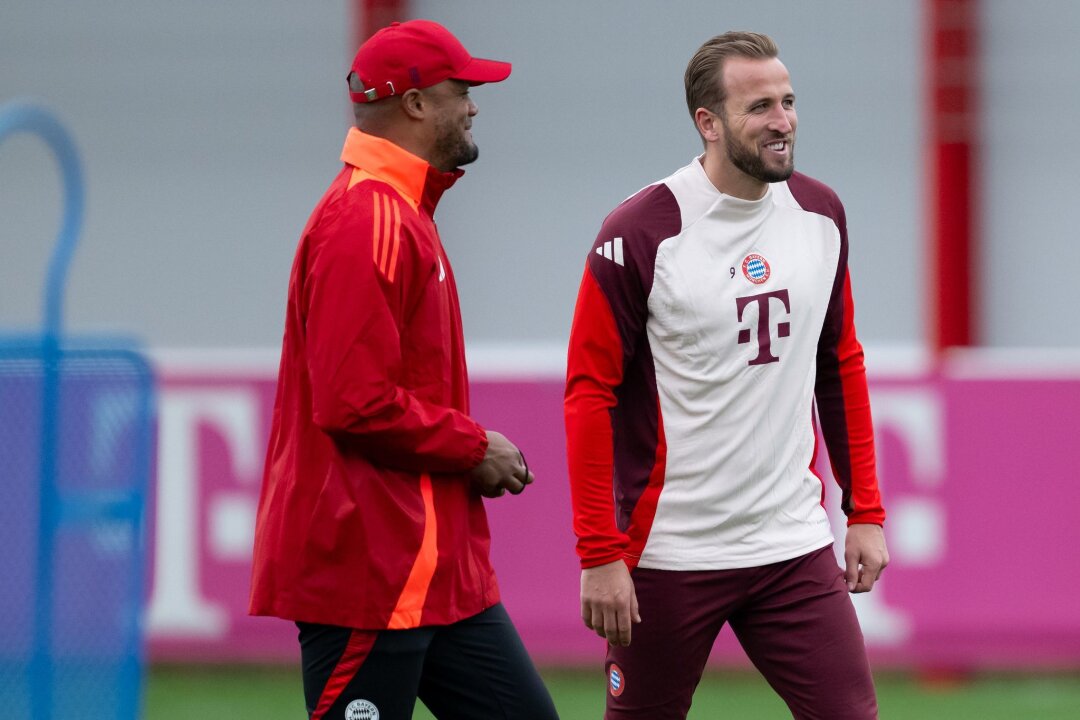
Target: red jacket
(367,518)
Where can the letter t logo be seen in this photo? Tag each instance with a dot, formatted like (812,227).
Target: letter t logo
(764,339)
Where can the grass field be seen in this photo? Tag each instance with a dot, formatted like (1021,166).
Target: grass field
(273,693)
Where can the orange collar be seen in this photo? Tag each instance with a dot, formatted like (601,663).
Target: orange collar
(408,174)
(386,161)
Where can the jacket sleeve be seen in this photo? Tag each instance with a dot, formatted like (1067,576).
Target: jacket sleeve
(843,402)
(355,300)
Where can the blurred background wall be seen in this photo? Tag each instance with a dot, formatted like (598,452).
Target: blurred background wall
(209,130)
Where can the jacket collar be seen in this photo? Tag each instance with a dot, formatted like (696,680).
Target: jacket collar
(410,175)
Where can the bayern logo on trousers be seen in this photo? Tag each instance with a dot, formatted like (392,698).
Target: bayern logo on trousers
(361,710)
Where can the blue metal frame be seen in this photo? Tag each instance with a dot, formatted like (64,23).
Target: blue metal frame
(27,117)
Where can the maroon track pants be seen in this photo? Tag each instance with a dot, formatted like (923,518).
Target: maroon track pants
(794,619)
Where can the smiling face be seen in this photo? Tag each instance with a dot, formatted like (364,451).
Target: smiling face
(754,141)
(454,111)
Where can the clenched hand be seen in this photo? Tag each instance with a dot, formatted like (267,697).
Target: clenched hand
(503,468)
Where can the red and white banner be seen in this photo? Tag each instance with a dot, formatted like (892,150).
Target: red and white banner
(979,473)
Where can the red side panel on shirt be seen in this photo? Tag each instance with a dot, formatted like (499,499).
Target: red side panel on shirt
(645,511)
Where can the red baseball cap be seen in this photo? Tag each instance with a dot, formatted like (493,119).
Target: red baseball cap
(417,54)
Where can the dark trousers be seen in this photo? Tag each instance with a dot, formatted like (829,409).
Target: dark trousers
(794,619)
(476,668)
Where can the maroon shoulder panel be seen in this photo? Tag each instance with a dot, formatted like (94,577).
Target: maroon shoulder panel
(640,224)
(817,197)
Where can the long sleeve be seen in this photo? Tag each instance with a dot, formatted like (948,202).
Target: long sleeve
(843,401)
(614,431)
(594,371)
(364,272)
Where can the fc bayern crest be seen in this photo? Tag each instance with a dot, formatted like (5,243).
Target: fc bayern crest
(361,710)
(616,681)
(756,268)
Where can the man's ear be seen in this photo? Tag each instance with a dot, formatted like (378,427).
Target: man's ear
(708,124)
(414,104)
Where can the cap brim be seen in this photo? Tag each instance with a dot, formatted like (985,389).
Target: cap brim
(480,71)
